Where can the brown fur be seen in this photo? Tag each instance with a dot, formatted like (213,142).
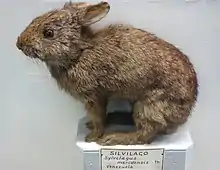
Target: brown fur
(118,61)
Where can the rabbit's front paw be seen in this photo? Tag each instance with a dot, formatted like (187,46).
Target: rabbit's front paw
(117,139)
(109,139)
(90,125)
(94,135)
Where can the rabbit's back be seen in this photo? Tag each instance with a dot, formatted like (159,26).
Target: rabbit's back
(126,62)
(130,63)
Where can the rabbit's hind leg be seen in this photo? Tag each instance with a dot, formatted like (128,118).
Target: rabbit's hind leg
(152,117)
(149,122)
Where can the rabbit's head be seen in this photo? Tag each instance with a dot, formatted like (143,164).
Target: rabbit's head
(56,36)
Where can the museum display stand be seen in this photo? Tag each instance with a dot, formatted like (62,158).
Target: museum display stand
(167,152)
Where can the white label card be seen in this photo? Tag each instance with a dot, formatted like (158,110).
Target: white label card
(140,159)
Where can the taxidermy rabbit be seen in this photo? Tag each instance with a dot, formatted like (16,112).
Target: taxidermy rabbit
(116,62)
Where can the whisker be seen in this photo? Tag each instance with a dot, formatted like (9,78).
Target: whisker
(38,62)
(34,61)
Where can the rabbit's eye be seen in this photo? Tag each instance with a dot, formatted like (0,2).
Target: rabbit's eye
(48,33)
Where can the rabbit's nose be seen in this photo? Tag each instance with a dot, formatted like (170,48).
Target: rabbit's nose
(19,43)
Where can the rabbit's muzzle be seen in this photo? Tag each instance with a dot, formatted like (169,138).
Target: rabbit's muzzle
(19,44)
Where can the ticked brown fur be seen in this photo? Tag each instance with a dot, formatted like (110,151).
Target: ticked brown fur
(116,62)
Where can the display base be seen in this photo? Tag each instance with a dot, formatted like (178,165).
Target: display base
(176,151)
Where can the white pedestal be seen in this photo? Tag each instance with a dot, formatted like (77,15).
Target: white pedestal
(169,152)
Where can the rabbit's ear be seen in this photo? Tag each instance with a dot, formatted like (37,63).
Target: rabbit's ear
(94,13)
(70,5)
(82,4)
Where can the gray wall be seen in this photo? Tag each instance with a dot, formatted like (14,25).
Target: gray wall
(38,122)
